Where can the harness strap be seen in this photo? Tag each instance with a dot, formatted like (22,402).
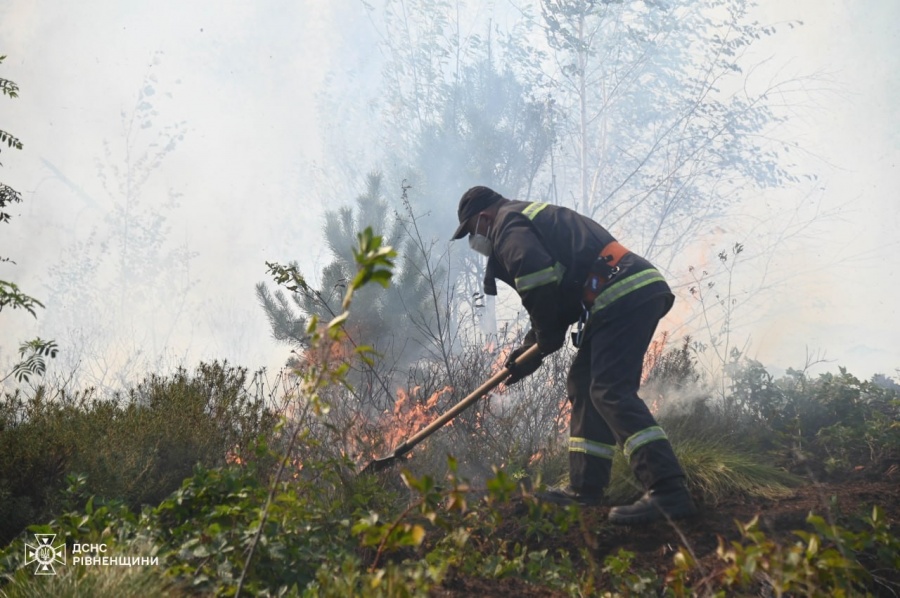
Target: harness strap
(613,252)
(604,268)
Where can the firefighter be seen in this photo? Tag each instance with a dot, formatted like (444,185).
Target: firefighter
(567,269)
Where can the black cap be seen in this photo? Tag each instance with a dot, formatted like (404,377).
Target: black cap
(473,201)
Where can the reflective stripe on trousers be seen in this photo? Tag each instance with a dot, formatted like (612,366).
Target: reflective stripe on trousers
(597,449)
(639,439)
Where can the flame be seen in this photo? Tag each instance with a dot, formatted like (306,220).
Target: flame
(410,413)
(500,362)
(232,457)
(563,415)
(654,352)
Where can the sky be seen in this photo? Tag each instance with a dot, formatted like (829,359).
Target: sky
(237,87)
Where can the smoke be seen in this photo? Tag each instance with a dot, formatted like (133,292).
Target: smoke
(94,112)
(279,111)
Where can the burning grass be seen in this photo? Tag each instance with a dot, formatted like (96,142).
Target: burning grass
(411,413)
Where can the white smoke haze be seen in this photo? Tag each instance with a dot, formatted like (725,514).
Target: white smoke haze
(171,149)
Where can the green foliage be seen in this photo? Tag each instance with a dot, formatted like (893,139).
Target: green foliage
(357,259)
(287,276)
(834,419)
(319,541)
(7,87)
(13,298)
(205,530)
(88,519)
(874,441)
(96,582)
(137,447)
(466,542)
(827,561)
(829,424)
(34,364)
(10,140)
(8,195)
(621,575)
(375,263)
(265,514)
(320,536)
(83,519)
(675,369)
(202,532)
(285,325)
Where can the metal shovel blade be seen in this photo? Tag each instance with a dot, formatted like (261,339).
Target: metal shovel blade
(381,464)
(400,452)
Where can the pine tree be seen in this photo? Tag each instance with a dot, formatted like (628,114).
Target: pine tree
(388,320)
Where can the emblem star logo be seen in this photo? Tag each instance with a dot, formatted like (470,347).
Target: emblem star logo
(44,555)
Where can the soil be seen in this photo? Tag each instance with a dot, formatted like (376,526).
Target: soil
(655,545)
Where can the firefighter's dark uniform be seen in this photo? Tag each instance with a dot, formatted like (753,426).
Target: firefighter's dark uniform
(546,253)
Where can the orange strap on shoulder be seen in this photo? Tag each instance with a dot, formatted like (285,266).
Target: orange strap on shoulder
(603,269)
(612,253)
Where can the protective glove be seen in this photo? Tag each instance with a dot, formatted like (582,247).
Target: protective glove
(518,372)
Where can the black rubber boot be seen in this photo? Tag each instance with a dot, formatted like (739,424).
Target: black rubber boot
(568,496)
(667,499)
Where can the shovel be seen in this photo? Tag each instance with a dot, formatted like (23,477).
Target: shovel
(488,386)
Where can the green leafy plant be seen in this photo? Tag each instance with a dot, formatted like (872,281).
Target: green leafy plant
(826,560)
(220,519)
(137,447)
(33,354)
(374,262)
(268,512)
(12,297)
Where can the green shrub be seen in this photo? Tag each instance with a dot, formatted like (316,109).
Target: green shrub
(227,521)
(205,528)
(875,440)
(201,533)
(828,561)
(319,538)
(817,426)
(96,582)
(464,539)
(137,448)
(40,435)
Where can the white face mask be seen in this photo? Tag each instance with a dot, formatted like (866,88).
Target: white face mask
(479,242)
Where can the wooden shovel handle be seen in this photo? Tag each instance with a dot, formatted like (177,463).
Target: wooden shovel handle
(476,394)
